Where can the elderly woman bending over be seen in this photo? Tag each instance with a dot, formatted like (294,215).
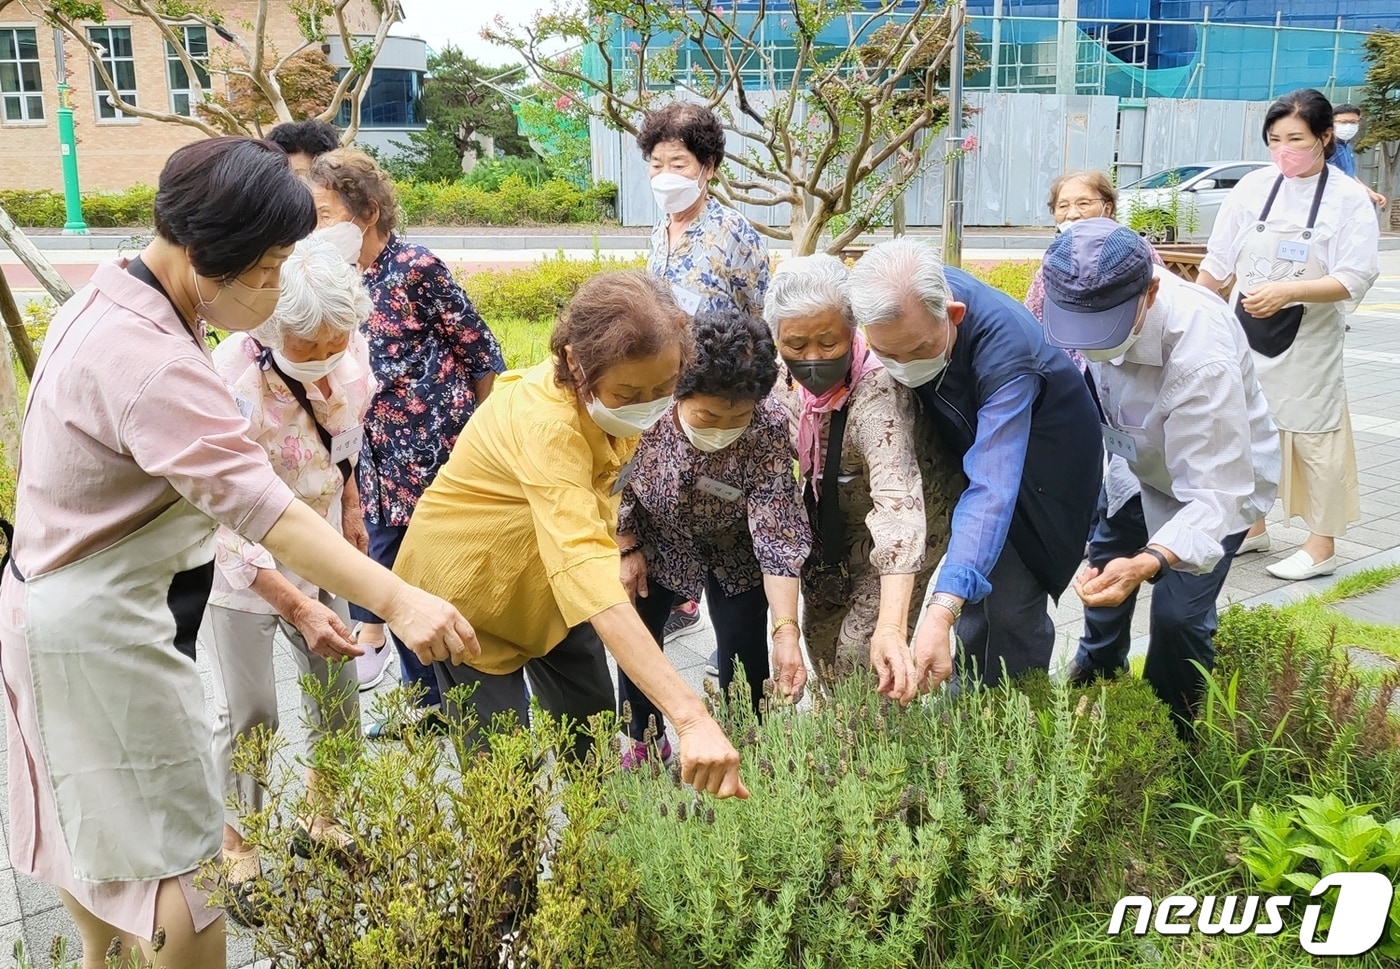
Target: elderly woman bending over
(303,381)
(878,485)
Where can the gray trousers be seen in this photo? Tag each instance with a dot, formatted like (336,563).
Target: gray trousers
(571,681)
(245,691)
(1012,625)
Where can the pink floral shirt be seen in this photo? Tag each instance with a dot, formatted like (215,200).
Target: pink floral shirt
(281,427)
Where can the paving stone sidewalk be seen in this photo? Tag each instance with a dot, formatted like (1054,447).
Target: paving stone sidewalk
(31,911)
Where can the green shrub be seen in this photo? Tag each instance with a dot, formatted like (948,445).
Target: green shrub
(448,846)
(524,343)
(518,198)
(515,202)
(39,209)
(1286,714)
(1013,276)
(488,175)
(873,837)
(536,293)
(1134,787)
(131,208)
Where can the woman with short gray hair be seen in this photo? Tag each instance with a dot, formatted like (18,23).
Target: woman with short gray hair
(879,488)
(302,380)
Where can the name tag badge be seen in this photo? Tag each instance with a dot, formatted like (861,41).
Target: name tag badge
(245,406)
(719,489)
(346,444)
(1294,251)
(686,300)
(623,476)
(1116,442)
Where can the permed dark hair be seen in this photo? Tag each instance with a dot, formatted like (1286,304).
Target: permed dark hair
(693,125)
(734,358)
(226,201)
(1310,105)
(310,137)
(615,317)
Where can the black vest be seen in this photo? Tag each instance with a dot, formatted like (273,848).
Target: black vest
(998,340)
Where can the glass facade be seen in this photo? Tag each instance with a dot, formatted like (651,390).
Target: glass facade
(1245,50)
(394,99)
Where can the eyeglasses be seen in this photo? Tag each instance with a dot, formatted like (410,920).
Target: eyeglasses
(1079,206)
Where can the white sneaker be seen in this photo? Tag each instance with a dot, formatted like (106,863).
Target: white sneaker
(1257,543)
(1300,565)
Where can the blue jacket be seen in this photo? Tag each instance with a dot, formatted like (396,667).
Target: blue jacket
(999,341)
(1345,158)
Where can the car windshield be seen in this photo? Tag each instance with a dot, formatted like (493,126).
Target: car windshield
(1170,177)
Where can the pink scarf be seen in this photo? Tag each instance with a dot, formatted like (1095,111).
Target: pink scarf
(811,407)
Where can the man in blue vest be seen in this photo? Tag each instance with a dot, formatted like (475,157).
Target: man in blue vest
(1021,417)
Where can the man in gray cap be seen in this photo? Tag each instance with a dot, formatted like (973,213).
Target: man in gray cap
(1180,403)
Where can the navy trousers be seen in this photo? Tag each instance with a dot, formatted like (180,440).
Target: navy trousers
(384,542)
(1183,615)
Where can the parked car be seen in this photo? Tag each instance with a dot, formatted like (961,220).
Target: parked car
(1180,204)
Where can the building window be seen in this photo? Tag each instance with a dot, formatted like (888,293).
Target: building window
(183,94)
(21,87)
(114,45)
(392,100)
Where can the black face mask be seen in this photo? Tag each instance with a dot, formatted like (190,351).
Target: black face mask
(819,376)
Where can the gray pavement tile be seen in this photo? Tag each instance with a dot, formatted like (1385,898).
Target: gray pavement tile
(1381,606)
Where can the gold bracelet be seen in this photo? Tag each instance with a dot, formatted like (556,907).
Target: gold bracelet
(785,621)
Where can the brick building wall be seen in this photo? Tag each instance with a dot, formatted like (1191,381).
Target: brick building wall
(116,154)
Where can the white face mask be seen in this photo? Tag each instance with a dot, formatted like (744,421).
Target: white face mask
(674,193)
(916,373)
(1112,353)
(1347,130)
(628,420)
(308,371)
(712,438)
(347,237)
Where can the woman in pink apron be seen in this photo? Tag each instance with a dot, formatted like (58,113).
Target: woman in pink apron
(133,453)
(1301,241)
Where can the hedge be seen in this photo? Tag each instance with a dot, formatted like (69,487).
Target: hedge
(515,202)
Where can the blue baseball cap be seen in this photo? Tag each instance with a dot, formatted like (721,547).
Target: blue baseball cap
(1095,272)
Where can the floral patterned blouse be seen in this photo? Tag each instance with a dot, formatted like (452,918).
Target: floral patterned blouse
(736,512)
(282,428)
(426,347)
(720,263)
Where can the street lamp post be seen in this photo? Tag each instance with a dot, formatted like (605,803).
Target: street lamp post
(953,164)
(68,145)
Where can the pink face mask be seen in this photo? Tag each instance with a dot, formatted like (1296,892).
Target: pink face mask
(1294,162)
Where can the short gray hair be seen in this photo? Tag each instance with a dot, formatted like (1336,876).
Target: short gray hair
(805,286)
(321,292)
(891,272)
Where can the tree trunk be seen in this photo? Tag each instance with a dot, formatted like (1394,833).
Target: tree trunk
(11,411)
(14,323)
(33,259)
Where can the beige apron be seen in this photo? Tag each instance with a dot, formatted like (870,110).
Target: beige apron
(118,700)
(1304,384)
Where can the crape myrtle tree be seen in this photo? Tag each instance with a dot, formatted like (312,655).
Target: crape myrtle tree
(832,106)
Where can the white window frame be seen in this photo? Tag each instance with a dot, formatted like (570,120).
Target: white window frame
(172,59)
(110,61)
(21,96)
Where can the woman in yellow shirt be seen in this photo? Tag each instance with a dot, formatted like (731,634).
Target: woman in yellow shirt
(519,529)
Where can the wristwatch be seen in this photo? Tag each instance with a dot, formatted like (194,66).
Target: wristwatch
(948,602)
(1163,566)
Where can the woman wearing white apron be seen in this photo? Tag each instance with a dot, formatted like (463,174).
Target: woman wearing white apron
(133,452)
(1301,242)
(303,379)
